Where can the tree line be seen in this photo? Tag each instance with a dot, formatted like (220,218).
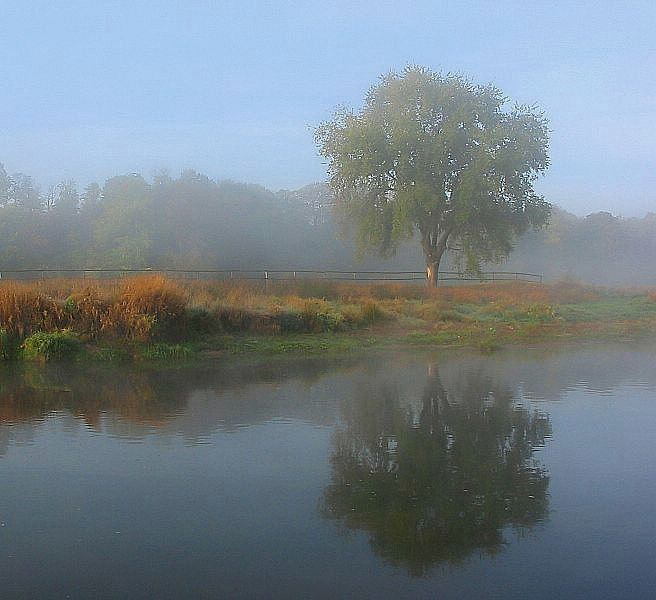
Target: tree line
(192,221)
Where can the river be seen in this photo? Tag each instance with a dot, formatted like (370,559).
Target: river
(524,473)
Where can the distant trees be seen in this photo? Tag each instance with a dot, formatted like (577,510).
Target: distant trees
(193,221)
(438,155)
(5,186)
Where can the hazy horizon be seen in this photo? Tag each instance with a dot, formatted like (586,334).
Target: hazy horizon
(98,89)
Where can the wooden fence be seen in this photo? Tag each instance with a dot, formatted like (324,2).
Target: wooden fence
(270,274)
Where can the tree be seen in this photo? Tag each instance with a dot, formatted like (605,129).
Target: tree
(24,192)
(437,480)
(123,230)
(5,186)
(91,197)
(68,197)
(437,155)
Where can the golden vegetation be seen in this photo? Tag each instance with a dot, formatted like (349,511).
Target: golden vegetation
(150,309)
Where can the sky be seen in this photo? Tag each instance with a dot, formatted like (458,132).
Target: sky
(91,89)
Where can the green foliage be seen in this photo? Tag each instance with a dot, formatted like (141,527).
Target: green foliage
(163,351)
(8,346)
(291,322)
(199,320)
(51,346)
(125,224)
(319,319)
(437,155)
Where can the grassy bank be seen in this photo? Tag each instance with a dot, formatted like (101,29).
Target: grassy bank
(153,318)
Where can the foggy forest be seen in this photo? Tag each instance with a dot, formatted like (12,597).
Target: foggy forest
(195,222)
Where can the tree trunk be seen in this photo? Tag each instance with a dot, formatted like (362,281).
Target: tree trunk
(432,268)
(434,246)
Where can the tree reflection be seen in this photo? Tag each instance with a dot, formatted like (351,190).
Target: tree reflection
(436,481)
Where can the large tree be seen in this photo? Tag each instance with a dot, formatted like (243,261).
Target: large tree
(437,155)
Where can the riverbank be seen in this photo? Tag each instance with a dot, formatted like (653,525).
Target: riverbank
(157,319)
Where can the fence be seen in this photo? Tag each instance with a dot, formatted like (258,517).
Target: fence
(271,275)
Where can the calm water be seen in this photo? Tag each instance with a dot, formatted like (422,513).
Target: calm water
(527,473)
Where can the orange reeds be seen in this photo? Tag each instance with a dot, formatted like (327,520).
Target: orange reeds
(24,311)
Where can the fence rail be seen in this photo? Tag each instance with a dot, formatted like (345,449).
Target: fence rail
(271,274)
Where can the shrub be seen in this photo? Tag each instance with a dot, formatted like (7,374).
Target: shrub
(234,319)
(24,311)
(318,318)
(199,320)
(291,322)
(51,345)
(143,304)
(87,313)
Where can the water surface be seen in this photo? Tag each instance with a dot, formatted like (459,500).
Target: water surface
(524,473)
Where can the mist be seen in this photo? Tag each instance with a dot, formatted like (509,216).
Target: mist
(193,222)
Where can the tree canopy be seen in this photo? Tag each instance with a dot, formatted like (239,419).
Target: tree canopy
(437,155)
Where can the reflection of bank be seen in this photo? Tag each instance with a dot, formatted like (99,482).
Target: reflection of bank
(436,480)
(134,401)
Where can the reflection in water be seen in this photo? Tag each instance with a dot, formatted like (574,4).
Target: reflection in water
(127,402)
(34,393)
(435,481)
(219,497)
(146,397)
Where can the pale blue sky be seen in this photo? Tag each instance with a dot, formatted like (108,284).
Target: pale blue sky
(94,88)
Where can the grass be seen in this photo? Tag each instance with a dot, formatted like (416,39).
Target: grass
(56,345)
(154,318)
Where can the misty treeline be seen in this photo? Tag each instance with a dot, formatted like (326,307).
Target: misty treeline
(194,222)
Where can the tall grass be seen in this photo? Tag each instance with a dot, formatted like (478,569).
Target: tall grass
(136,309)
(24,310)
(156,309)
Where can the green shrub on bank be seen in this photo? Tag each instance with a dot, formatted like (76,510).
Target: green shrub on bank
(51,346)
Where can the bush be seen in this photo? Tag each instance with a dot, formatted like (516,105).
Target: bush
(51,346)
(87,313)
(318,319)
(291,322)
(24,311)
(143,304)
(200,320)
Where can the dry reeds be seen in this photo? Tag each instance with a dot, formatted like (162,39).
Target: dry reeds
(149,307)
(24,311)
(139,307)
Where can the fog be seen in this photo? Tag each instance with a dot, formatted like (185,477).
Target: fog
(234,90)
(191,221)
